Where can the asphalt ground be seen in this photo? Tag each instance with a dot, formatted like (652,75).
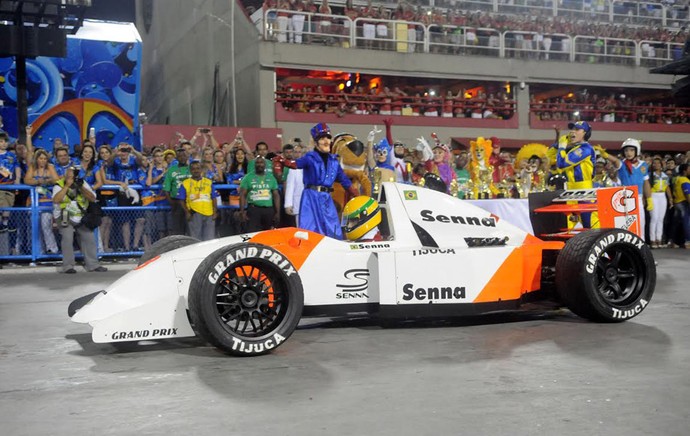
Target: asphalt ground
(543,372)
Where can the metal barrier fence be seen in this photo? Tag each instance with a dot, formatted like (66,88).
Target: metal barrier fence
(411,36)
(125,231)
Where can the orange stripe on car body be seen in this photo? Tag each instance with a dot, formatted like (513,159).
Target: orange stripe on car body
(297,250)
(519,273)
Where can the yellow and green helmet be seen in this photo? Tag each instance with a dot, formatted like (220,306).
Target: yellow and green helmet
(360,215)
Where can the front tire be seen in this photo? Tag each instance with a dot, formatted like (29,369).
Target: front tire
(245,299)
(163,245)
(606,275)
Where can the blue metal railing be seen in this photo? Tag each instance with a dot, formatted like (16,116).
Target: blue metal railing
(25,224)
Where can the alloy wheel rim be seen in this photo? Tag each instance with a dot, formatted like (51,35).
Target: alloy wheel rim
(619,275)
(250,300)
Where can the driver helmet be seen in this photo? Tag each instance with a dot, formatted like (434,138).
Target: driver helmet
(360,215)
(634,143)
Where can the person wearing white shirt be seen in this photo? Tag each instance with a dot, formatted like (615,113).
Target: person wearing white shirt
(294,187)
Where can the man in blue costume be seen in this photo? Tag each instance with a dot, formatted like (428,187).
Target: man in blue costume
(576,159)
(320,170)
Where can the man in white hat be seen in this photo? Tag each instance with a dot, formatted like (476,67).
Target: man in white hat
(633,171)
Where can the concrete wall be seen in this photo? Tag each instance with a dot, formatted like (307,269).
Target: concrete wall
(185,42)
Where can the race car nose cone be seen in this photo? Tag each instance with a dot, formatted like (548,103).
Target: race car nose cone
(249,298)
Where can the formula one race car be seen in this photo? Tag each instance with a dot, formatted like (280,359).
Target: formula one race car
(440,257)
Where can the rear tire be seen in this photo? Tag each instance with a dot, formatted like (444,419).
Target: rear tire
(245,299)
(606,275)
(169,243)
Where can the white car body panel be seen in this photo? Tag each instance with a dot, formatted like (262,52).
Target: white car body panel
(152,300)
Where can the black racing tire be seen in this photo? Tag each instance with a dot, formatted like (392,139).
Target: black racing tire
(163,245)
(245,299)
(606,275)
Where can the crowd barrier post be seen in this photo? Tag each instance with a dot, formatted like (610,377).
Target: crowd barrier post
(35,225)
(22,232)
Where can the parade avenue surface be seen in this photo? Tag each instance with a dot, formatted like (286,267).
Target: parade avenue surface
(542,372)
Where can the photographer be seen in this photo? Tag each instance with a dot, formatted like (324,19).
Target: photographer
(71,197)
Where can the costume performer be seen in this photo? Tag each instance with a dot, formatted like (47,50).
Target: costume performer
(350,152)
(481,171)
(529,160)
(576,158)
(402,172)
(437,161)
(320,170)
(495,159)
(379,161)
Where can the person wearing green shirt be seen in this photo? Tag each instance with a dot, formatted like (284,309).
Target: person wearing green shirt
(462,175)
(259,199)
(260,150)
(171,186)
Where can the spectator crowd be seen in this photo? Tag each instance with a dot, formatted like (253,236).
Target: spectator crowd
(164,190)
(538,31)
(620,108)
(584,105)
(207,189)
(386,101)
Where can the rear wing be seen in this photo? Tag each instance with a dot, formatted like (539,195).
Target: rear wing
(557,214)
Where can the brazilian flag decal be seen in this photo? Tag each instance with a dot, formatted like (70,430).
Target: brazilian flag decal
(410,195)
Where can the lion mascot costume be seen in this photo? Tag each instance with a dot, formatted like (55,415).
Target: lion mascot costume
(353,159)
(481,172)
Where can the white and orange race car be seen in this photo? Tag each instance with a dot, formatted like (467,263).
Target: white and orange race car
(440,257)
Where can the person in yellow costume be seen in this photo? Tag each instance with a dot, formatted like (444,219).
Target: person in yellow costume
(576,158)
(481,172)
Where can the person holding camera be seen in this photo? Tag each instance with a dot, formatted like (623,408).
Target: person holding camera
(71,197)
(195,153)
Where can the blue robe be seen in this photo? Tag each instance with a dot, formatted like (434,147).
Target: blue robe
(317,211)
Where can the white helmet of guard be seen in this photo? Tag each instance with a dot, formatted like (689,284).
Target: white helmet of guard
(632,142)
